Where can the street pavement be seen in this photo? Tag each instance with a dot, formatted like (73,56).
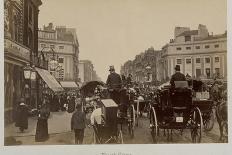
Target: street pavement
(60,133)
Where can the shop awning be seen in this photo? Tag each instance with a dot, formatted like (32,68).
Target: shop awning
(68,84)
(49,79)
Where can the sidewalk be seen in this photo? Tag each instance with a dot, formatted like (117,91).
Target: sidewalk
(58,122)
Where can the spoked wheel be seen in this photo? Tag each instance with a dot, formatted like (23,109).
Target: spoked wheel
(197,125)
(131,120)
(208,121)
(120,137)
(153,125)
(137,114)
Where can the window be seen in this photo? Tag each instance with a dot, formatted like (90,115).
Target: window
(178,61)
(61,47)
(216,59)
(187,38)
(207,71)
(178,48)
(198,60)
(188,61)
(206,46)
(216,46)
(207,60)
(30,14)
(61,60)
(197,47)
(217,72)
(52,46)
(188,48)
(42,45)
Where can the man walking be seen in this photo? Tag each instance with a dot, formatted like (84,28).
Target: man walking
(78,122)
(114,84)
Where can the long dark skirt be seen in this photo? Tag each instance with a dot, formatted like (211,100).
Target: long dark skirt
(41,130)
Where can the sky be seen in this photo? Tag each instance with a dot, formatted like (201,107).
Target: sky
(110,32)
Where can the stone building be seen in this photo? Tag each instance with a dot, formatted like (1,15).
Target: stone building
(60,44)
(138,66)
(197,52)
(87,72)
(21,48)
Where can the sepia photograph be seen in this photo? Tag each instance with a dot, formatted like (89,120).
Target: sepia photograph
(92,72)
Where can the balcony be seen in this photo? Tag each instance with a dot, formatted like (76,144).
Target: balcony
(13,48)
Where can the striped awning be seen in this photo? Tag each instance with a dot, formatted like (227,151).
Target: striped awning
(50,80)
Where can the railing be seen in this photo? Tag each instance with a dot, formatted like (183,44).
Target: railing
(16,49)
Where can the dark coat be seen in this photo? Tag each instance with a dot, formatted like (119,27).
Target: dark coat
(114,81)
(78,120)
(177,77)
(22,117)
(71,105)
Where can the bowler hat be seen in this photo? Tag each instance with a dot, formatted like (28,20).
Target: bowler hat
(111,68)
(177,68)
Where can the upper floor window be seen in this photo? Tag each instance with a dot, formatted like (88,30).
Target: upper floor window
(52,46)
(216,59)
(207,60)
(188,48)
(61,47)
(198,60)
(216,46)
(178,61)
(187,38)
(197,47)
(61,60)
(206,46)
(178,48)
(188,61)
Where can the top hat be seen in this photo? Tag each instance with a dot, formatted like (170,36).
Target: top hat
(177,68)
(111,68)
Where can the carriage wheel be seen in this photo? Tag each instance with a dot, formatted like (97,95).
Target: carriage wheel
(153,125)
(131,122)
(137,115)
(209,121)
(197,124)
(120,137)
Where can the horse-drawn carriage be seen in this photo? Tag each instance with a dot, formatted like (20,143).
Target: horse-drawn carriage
(174,110)
(113,115)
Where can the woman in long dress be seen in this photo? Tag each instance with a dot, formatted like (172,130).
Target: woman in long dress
(42,124)
(22,116)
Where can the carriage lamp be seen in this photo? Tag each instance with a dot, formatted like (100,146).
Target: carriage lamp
(27,72)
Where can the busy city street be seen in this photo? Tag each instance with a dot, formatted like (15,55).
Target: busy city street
(80,72)
(60,133)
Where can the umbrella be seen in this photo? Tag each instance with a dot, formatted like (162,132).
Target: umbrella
(88,88)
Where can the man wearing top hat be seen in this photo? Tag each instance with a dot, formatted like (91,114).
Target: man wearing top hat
(114,83)
(178,76)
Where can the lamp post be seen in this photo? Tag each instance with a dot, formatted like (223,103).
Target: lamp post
(27,75)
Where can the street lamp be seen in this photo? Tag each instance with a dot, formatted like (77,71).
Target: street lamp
(33,73)
(27,72)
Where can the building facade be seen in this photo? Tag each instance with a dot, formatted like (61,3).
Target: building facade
(61,44)
(87,72)
(138,66)
(20,48)
(198,54)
